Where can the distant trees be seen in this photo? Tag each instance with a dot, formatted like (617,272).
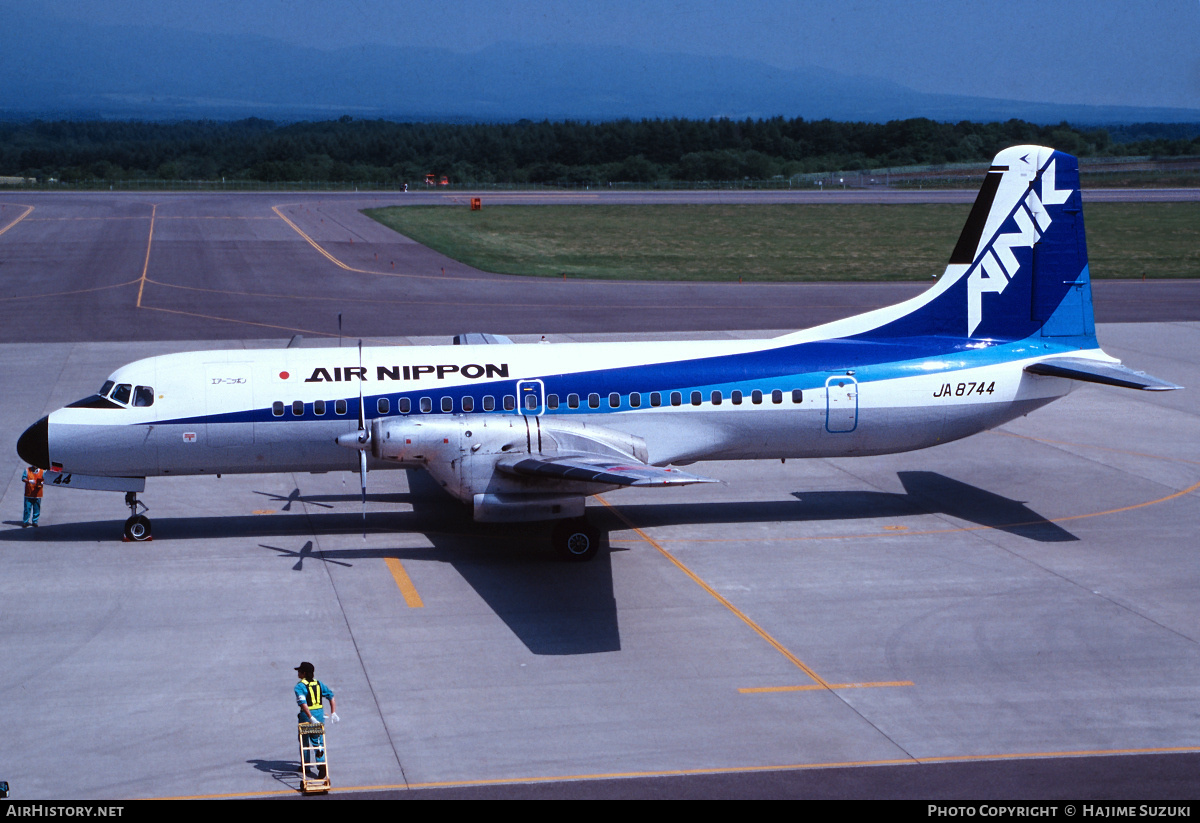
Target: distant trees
(566,152)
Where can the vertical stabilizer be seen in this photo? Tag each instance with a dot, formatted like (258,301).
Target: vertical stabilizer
(1020,266)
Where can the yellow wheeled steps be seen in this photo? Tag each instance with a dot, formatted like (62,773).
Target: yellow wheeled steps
(314,759)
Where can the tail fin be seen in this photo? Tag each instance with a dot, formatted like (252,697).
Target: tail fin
(1020,267)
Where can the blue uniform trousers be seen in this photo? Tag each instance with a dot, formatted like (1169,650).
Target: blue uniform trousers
(33,509)
(317,740)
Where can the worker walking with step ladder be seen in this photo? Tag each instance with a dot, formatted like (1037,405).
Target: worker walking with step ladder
(311,696)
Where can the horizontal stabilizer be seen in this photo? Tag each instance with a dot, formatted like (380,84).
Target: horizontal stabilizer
(1097,371)
(600,470)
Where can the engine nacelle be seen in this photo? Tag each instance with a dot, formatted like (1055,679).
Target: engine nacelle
(424,441)
(460,453)
(516,508)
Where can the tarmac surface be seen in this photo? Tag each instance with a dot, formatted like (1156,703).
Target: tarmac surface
(1008,616)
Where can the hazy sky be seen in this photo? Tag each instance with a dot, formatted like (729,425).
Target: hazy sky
(1121,52)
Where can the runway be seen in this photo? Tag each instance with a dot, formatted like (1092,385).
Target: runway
(1008,616)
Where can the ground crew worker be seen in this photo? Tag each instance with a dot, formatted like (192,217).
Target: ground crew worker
(34,479)
(310,696)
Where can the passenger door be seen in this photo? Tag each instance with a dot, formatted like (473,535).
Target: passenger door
(841,404)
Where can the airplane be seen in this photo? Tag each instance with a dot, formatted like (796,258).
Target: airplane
(528,432)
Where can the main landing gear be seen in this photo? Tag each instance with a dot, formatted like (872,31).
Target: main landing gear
(137,527)
(576,539)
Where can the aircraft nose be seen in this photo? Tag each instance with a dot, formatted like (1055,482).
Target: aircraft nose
(34,445)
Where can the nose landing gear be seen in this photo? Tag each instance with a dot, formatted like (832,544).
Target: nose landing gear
(137,527)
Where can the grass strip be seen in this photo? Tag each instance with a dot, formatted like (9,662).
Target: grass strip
(770,242)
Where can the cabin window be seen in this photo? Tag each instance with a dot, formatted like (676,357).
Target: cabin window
(614,401)
(716,398)
(297,408)
(655,398)
(468,403)
(510,402)
(531,401)
(404,405)
(572,401)
(447,403)
(756,397)
(593,401)
(735,397)
(696,398)
(121,394)
(318,407)
(489,403)
(383,405)
(426,405)
(797,396)
(635,399)
(777,396)
(277,408)
(676,399)
(339,407)
(143,396)
(552,401)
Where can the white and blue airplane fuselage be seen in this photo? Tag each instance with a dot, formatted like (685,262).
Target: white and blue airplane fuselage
(527,432)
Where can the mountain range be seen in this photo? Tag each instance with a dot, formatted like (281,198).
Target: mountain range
(57,69)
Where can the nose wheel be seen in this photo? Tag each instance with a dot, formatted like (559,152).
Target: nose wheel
(137,527)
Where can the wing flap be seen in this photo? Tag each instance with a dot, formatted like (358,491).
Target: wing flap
(593,469)
(1097,371)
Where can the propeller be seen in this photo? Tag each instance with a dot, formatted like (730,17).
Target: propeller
(361,439)
(364,439)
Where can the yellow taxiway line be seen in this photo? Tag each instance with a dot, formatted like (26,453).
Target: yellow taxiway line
(146,265)
(759,630)
(19,218)
(784,767)
(411,596)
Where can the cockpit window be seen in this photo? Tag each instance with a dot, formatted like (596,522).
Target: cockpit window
(106,388)
(143,396)
(121,393)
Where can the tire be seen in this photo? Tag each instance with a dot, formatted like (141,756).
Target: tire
(576,540)
(137,528)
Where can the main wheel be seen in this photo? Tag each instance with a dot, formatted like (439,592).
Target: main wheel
(576,540)
(137,528)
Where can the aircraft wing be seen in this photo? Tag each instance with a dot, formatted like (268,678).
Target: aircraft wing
(1097,371)
(480,339)
(599,469)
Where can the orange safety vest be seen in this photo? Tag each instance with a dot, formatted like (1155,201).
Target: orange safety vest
(33,483)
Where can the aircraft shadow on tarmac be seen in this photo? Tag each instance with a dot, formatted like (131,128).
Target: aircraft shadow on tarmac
(326,501)
(554,608)
(925,493)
